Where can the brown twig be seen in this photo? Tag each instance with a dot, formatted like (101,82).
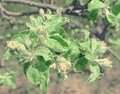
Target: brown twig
(8,15)
(2,10)
(47,6)
(32,3)
(11,15)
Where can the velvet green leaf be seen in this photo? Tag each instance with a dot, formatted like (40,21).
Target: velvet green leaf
(81,64)
(44,52)
(95,73)
(11,83)
(116,9)
(57,43)
(94,15)
(111,18)
(32,74)
(95,4)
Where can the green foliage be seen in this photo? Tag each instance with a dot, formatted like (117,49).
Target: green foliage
(7,78)
(96,4)
(95,73)
(116,9)
(81,65)
(94,15)
(43,48)
(110,12)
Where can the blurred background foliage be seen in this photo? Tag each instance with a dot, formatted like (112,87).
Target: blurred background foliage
(79,19)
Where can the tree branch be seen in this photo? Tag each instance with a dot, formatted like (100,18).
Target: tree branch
(67,10)
(114,54)
(70,10)
(8,15)
(102,36)
(32,3)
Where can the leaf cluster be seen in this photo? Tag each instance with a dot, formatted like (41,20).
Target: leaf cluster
(44,48)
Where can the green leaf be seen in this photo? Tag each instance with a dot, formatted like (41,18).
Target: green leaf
(32,74)
(86,33)
(7,54)
(56,21)
(73,52)
(84,45)
(57,30)
(95,44)
(62,41)
(95,73)
(41,65)
(25,67)
(2,82)
(94,49)
(11,83)
(111,18)
(80,65)
(10,73)
(116,9)
(57,43)
(37,77)
(20,37)
(34,39)
(26,37)
(95,4)
(39,21)
(28,41)
(31,26)
(90,48)
(35,23)
(44,52)
(44,80)
(89,55)
(94,15)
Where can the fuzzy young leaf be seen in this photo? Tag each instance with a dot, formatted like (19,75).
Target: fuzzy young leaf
(44,52)
(44,80)
(95,73)
(80,65)
(11,83)
(20,37)
(86,33)
(32,74)
(57,43)
(41,66)
(116,9)
(57,30)
(95,4)
(2,82)
(56,21)
(7,54)
(94,15)
(73,52)
(38,77)
(111,18)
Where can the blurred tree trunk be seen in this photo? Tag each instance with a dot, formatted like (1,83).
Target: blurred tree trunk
(51,2)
